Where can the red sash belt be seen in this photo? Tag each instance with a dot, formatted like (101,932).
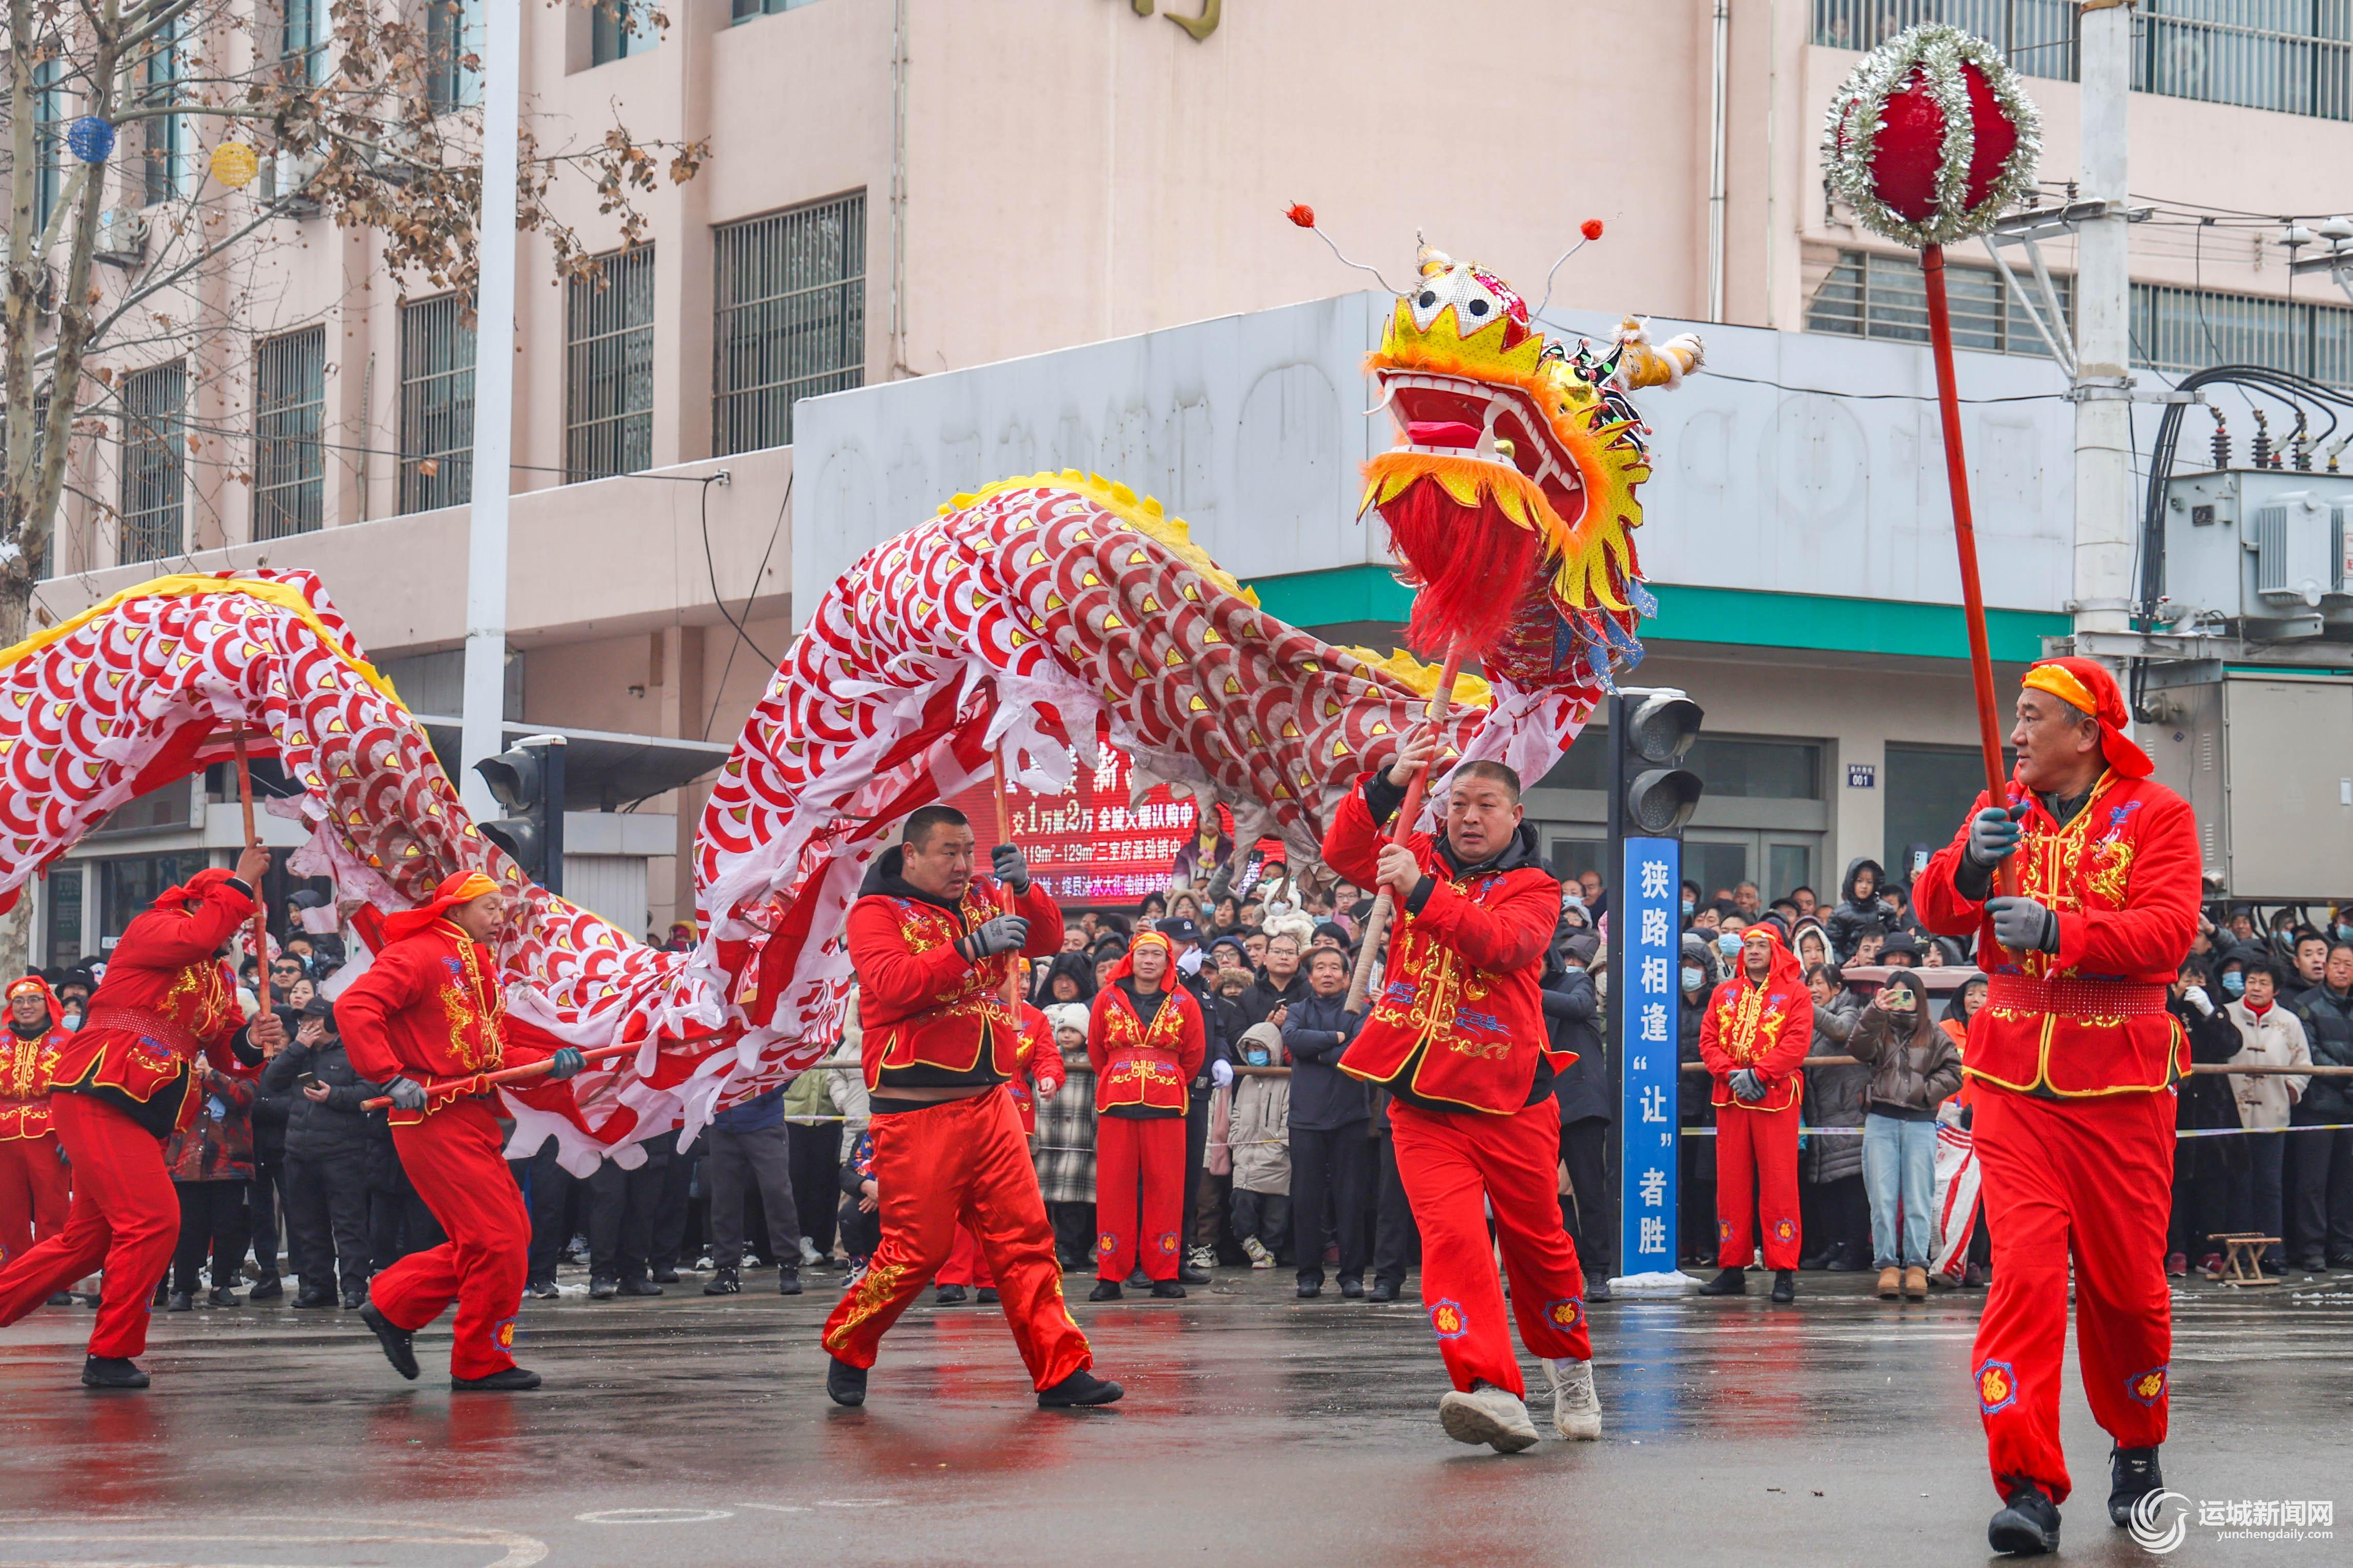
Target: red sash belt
(152,1025)
(2075,998)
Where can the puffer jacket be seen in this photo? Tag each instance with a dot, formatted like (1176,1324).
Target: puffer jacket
(1844,924)
(1692,1100)
(329,1128)
(2327,1020)
(1834,1095)
(1260,1131)
(1914,1065)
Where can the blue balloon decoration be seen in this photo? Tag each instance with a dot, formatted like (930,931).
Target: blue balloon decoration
(91,139)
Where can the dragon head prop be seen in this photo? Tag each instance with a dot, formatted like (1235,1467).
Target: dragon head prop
(1510,496)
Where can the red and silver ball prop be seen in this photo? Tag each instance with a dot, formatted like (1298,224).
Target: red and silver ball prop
(1932,137)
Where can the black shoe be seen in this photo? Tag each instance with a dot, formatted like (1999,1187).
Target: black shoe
(788,1282)
(355,1300)
(112,1372)
(1816,1260)
(541,1290)
(1188,1275)
(310,1298)
(1309,1289)
(844,1385)
(640,1288)
(603,1289)
(2340,1260)
(62,1298)
(1168,1289)
(220,1298)
(268,1287)
(724,1283)
(984,1296)
(398,1348)
(1352,1289)
(181,1302)
(1105,1291)
(1731,1282)
(1785,1285)
(507,1379)
(2316,1264)
(1081,1387)
(1596,1289)
(2132,1475)
(665,1276)
(1383,1291)
(1137,1279)
(948,1296)
(2028,1524)
(161,1296)
(1844,1260)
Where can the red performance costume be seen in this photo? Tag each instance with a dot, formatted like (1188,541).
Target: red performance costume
(35,1188)
(1761,1027)
(429,1008)
(2074,1058)
(1146,1048)
(1036,1061)
(119,1087)
(938,1020)
(1456,1033)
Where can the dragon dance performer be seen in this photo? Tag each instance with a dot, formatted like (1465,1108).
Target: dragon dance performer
(1146,1040)
(35,1185)
(1753,1040)
(931,946)
(2076,1059)
(121,1086)
(1456,1034)
(430,1008)
(1037,1061)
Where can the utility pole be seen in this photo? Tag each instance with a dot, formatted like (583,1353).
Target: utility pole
(2104,513)
(494,311)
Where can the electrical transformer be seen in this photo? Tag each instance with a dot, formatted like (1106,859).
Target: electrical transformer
(2269,550)
(2265,761)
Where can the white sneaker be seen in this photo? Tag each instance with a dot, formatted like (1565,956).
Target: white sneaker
(1576,1407)
(809,1254)
(1259,1256)
(1203,1258)
(1487,1414)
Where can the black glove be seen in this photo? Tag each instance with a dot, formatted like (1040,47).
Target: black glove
(406,1094)
(2023,925)
(1994,834)
(565,1063)
(1005,933)
(1968,1116)
(1011,870)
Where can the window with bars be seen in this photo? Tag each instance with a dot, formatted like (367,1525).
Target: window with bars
(301,48)
(290,403)
(168,161)
(746,10)
(2295,57)
(791,318)
(154,463)
(609,364)
(453,34)
(1867,295)
(619,28)
(436,404)
(2175,331)
(50,107)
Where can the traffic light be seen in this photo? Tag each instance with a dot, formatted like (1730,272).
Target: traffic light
(1650,731)
(528,780)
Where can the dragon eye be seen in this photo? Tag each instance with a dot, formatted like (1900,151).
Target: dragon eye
(1429,298)
(1478,307)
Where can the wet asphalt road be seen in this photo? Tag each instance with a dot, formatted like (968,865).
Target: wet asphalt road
(1257,1429)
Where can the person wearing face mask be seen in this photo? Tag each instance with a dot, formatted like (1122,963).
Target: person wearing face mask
(2205,1169)
(1690,903)
(35,1185)
(1146,1040)
(1260,1134)
(1758,1026)
(1834,1212)
(73,999)
(1914,1067)
(1695,975)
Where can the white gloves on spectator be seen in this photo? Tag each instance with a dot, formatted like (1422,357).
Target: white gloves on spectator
(2196,997)
(1221,1073)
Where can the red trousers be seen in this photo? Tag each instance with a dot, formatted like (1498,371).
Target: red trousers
(966,1263)
(125,1215)
(961,1162)
(2090,1180)
(1755,1172)
(36,1190)
(454,1160)
(1450,1161)
(1139,1195)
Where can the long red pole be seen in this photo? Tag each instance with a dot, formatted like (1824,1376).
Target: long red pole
(1964,533)
(1442,701)
(261,916)
(1005,835)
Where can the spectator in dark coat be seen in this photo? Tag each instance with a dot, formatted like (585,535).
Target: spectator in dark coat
(2204,1169)
(1836,1214)
(1331,1151)
(1695,980)
(745,1150)
(1282,982)
(266,1197)
(2320,1164)
(1069,978)
(327,1138)
(1582,1091)
(1859,905)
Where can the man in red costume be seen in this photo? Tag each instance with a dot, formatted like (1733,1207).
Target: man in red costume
(430,1008)
(121,1086)
(1753,1038)
(1456,1033)
(1146,1040)
(1036,1061)
(933,946)
(2074,1058)
(36,1189)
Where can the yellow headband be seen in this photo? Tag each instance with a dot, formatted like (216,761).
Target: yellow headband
(2062,683)
(474,887)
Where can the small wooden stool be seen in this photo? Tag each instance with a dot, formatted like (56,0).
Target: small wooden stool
(2244,1256)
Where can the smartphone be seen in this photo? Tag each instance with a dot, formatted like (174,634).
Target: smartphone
(307,1080)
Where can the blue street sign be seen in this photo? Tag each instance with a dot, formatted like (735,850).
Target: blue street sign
(1650,901)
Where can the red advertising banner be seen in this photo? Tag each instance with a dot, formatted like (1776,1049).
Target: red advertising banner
(1088,845)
